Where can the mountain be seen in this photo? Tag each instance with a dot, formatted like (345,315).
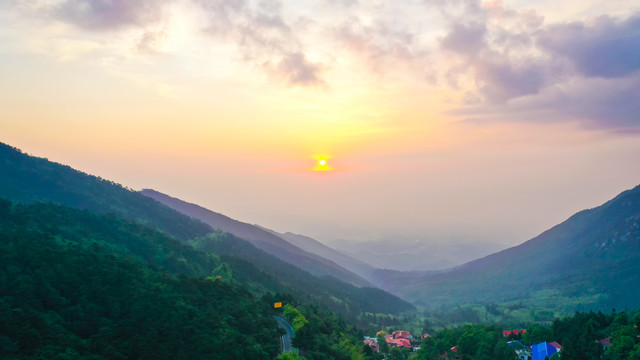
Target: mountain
(262,239)
(29,179)
(590,261)
(165,236)
(313,246)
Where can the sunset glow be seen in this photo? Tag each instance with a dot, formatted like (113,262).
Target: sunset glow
(453,113)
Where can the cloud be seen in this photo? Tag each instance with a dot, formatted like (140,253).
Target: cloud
(490,45)
(346,3)
(264,39)
(509,63)
(110,14)
(381,45)
(582,71)
(500,80)
(603,103)
(592,103)
(465,40)
(151,41)
(460,10)
(297,70)
(604,47)
(498,74)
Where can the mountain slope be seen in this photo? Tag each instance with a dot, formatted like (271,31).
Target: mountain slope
(29,179)
(157,234)
(262,239)
(592,260)
(76,285)
(313,246)
(346,299)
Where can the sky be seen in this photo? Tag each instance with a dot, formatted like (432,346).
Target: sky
(454,120)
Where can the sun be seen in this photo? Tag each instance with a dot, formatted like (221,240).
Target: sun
(322,164)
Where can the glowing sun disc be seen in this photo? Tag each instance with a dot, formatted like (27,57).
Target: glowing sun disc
(322,163)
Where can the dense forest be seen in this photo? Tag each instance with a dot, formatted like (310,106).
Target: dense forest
(68,296)
(78,285)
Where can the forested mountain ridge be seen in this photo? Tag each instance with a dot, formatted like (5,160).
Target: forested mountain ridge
(29,179)
(262,239)
(592,260)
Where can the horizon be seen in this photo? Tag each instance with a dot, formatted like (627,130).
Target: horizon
(436,121)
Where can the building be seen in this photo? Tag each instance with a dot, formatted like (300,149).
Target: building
(372,342)
(507,333)
(399,339)
(522,351)
(400,342)
(544,349)
(606,342)
(402,335)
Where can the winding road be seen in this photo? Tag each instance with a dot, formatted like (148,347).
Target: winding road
(286,338)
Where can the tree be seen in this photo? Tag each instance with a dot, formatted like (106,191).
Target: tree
(295,316)
(291,355)
(399,353)
(382,343)
(623,342)
(635,353)
(537,334)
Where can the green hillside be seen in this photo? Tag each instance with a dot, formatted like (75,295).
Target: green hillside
(29,179)
(73,286)
(262,239)
(590,261)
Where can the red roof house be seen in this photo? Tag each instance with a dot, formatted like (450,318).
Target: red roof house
(399,342)
(606,342)
(556,345)
(401,335)
(373,344)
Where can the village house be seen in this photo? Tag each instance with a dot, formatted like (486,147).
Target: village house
(544,349)
(399,339)
(522,351)
(507,333)
(402,335)
(372,342)
(606,342)
(396,339)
